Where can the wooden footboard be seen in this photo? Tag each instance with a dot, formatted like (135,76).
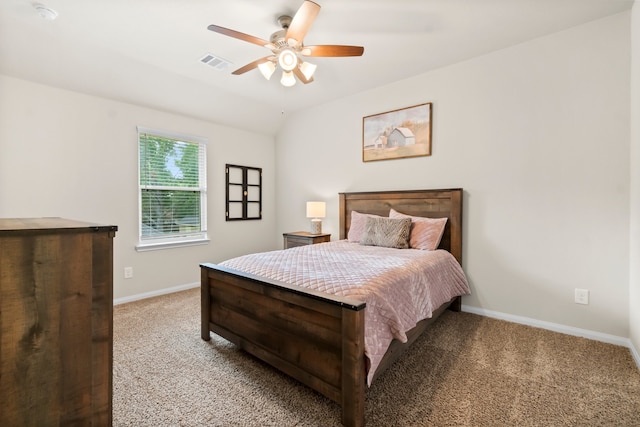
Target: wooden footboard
(316,338)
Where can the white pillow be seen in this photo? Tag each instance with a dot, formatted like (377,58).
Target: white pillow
(356,229)
(426,233)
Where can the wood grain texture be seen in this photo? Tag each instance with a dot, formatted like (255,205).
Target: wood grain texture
(425,203)
(301,238)
(102,329)
(55,322)
(298,333)
(314,337)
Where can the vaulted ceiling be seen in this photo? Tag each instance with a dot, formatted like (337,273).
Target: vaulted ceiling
(148,52)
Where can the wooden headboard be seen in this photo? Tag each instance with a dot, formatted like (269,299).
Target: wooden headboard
(426,203)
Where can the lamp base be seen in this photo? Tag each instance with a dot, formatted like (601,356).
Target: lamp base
(316,226)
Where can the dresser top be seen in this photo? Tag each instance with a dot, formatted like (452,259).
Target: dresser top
(22,226)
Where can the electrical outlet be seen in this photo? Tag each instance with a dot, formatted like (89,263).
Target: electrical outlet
(128,272)
(582,296)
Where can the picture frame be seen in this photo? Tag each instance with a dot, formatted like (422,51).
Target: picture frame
(397,134)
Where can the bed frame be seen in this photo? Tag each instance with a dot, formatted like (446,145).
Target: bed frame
(314,337)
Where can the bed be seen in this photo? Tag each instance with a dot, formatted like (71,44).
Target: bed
(316,337)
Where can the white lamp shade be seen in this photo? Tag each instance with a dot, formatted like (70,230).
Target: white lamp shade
(308,69)
(287,79)
(316,209)
(267,69)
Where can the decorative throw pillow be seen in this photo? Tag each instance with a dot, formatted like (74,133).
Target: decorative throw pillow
(387,232)
(426,233)
(357,225)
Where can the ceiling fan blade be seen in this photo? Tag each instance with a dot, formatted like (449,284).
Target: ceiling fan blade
(332,50)
(250,66)
(301,76)
(302,21)
(241,36)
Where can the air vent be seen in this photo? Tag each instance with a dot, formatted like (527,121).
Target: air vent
(216,62)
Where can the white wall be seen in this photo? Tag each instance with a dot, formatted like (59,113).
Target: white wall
(634,287)
(71,155)
(538,137)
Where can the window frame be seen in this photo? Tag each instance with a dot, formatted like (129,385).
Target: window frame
(178,239)
(244,201)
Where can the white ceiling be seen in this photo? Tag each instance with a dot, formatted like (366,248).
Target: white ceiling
(147,52)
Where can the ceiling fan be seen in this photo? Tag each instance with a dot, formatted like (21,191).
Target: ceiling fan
(287,44)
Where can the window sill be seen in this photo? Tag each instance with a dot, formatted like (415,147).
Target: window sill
(144,247)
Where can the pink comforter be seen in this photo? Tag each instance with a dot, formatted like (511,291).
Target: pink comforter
(400,286)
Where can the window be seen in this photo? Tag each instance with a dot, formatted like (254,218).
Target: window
(173,190)
(244,193)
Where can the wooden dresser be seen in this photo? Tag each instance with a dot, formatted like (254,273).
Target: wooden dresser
(56,322)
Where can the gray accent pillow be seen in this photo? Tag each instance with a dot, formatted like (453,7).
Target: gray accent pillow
(386,232)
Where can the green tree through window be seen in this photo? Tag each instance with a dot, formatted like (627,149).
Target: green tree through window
(172,188)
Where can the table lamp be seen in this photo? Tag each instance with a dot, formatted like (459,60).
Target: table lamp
(316,210)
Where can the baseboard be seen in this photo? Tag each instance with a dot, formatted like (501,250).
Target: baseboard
(634,353)
(556,327)
(156,293)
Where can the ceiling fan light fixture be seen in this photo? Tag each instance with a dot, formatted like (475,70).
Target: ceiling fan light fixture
(308,69)
(287,79)
(287,59)
(267,69)
(287,44)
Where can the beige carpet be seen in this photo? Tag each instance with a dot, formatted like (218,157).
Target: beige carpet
(467,370)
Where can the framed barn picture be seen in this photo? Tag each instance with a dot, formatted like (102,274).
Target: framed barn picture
(397,134)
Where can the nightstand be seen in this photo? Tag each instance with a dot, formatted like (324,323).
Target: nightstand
(301,238)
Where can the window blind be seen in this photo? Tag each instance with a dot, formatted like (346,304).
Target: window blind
(172,184)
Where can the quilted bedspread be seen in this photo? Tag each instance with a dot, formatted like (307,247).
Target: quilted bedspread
(400,286)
